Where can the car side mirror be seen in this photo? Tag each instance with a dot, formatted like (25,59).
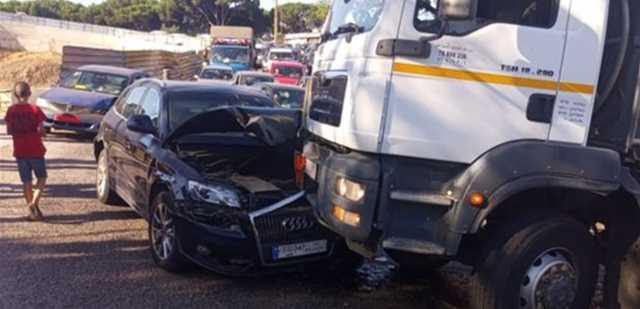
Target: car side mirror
(141,124)
(458,9)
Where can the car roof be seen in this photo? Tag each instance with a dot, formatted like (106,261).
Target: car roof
(282,50)
(218,67)
(279,86)
(288,64)
(253,73)
(110,70)
(174,87)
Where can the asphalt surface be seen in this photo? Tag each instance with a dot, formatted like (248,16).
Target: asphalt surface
(87,255)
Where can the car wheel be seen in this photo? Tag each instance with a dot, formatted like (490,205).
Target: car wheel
(104,192)
(163,235)
(546,263)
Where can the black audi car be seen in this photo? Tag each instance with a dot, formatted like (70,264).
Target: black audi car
(210,166)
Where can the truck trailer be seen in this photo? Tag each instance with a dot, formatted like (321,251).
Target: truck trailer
(501,134)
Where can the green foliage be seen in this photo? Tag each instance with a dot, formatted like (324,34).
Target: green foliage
(186,16)
(299,17)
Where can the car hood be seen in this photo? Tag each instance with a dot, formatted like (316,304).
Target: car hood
(271,126)
(77,97)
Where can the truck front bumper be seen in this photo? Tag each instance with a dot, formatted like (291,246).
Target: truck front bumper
(403,207)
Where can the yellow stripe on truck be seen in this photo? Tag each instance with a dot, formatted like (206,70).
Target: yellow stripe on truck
(489,78)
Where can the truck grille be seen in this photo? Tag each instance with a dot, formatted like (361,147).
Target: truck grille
(327,98)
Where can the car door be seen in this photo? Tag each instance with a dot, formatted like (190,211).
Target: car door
(487,82)
(119,149)
(139,146)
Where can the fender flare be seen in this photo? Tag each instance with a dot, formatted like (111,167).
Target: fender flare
(523,165)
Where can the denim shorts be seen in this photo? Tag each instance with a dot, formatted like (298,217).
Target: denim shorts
(27,167)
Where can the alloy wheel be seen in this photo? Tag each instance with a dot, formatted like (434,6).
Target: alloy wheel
(162,232)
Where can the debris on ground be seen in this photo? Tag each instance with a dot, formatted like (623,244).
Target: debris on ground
(40,69)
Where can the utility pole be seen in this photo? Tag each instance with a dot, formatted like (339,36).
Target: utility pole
(276,22)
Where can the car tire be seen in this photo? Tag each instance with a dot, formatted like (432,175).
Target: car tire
(163,236)
(104,192)
(548,262)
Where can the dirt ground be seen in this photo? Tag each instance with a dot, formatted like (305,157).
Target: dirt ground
(38,69)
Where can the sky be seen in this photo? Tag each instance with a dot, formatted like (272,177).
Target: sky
(267,4)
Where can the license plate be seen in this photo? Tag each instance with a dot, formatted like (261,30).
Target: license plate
(311,169)
(300,249)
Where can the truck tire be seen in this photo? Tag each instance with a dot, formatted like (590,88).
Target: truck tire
(547,261)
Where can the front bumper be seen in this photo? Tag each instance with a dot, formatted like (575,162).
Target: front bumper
(251,244)
(390,217)
(89,123)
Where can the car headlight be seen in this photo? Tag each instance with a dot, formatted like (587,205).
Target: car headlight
(213,194)
(350,190)
(40,102)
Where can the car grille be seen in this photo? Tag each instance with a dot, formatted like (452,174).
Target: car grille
(327,98)
(288,227)
(69,109)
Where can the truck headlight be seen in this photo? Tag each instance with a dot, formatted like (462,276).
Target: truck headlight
(350,190)
(213,194)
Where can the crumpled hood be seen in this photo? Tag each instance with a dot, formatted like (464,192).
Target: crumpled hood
(272,126)
(77,97)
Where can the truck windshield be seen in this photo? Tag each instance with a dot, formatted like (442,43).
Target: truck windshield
(363,13)
(230,54)
(282,56)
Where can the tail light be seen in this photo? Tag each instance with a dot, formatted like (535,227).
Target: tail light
(299,164)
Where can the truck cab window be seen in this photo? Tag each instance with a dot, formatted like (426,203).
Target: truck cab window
(532,13)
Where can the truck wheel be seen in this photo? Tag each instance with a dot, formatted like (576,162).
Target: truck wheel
(105,194)
(546,263)
(163,235)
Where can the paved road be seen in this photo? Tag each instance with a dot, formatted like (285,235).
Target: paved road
(86,255)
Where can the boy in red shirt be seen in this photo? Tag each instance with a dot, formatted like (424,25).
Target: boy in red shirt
(25,125)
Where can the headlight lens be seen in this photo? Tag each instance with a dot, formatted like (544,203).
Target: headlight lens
(350,190)
(213,194)
(42,102)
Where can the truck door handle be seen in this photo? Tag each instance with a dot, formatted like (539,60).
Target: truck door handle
(540,107)
(400,47)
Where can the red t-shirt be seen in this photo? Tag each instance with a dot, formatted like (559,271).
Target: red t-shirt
(23,122)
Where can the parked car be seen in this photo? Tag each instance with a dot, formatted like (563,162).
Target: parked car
(249,78)
(284,95)
(210,167)
(81,99)
(216,72)
(287,72)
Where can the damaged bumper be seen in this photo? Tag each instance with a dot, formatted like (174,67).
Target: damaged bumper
(237,242)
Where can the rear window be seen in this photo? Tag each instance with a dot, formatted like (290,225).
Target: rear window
(288,71)
(184,106)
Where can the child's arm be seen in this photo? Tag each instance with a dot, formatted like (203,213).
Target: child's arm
(9,120)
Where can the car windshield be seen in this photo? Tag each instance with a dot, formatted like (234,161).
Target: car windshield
(184,106)
(289,98)
(251,80)
(363,13)
(95,82)
(281,56)
(287,71)
(216,74)
(230,54)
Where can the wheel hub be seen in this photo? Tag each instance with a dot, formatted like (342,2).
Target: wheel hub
(162,232)
(550,283)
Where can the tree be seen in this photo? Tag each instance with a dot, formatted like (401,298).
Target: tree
(299,17)
(219,12)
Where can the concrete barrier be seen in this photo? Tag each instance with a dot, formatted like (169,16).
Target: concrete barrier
(24,32)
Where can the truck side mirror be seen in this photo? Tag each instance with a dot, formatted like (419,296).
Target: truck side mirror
(458,9)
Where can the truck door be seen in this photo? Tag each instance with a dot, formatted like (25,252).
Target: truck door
(487,82)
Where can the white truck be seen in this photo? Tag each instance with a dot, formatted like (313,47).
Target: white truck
(499,133)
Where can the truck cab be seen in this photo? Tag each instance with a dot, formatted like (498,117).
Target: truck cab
(496,133)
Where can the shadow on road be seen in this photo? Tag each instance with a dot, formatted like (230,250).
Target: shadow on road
(53,191)
(53,165)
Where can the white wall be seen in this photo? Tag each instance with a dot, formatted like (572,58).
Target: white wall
(23,32)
